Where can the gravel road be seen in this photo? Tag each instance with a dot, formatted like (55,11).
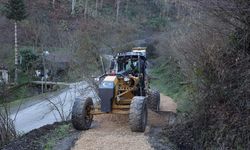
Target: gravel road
(112,132)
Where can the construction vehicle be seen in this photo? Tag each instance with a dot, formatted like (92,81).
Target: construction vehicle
(124,90)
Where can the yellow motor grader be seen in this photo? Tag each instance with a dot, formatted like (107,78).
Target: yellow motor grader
(125,90)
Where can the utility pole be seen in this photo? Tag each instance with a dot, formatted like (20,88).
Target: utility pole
(44,78)
(44,73)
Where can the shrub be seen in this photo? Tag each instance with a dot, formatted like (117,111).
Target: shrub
(28,58)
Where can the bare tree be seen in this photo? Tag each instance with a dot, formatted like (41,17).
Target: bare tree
(61,105)
(101,4)
(117,9)
(86,9)
(73,5)
(96,7)
(53,3)
(7,128)
(58,104)
(211,43)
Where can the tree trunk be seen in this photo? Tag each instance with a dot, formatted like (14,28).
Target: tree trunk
(16,54)
(164,8)
(101,4)
(178,9)
(86,9)
(73,4)
(96,7)
(53,4)
(167,4)
(127,6)
(117,10)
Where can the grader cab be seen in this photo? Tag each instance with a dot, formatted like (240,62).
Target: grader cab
(124,90)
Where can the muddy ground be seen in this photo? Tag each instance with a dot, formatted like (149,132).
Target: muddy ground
(60,136)
(107,132)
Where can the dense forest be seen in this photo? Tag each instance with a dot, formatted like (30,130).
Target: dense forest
(200,51)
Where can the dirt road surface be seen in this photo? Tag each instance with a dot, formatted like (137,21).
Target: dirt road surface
(112,132)
(167,104)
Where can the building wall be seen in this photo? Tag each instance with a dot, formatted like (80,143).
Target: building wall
(4,76)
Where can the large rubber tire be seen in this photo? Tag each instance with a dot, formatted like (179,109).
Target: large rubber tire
(154,100)
(138,114)
(81,117)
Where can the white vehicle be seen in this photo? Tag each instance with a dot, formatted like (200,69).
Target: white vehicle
(140,50)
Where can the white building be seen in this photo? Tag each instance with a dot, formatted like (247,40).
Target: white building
(4,76)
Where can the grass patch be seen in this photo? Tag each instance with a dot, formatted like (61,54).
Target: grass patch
(20,91)
(15,103)
(23,78)
(167,78)
(58,134)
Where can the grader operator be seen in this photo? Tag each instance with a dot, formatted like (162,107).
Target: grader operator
(125,90)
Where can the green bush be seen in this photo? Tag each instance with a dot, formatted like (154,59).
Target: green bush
(28,57)
(168,78)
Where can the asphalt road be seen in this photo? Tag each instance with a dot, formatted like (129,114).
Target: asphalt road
(50,109)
